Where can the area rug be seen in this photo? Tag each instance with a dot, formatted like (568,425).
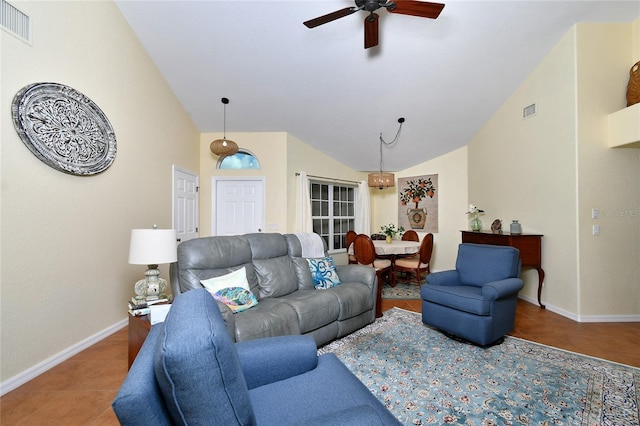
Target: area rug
(424,377)
(402,290)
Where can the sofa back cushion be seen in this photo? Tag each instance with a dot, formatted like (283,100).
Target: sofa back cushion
(197,366)
(209,257)
(479,264)
(274,269)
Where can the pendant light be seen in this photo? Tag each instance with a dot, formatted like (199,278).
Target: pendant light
(224,146)
(381,179)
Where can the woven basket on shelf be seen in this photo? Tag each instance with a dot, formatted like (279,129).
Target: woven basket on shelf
(633,88)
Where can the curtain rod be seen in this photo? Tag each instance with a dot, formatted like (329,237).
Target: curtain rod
(329,178)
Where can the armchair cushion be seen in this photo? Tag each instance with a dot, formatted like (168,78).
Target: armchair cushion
(197,367)
(263,360)
(477,266)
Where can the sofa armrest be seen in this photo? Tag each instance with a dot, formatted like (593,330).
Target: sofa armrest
(273,359)
(357,273)
(498,289)
(444,278)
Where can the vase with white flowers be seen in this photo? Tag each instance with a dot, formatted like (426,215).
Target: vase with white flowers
(391,231)
(476,223)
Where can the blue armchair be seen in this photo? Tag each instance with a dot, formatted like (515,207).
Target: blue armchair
(189,371)
(476,301)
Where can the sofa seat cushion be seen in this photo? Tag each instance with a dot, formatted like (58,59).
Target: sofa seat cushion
(197,367)
(463,298)
(271,317)
(322,393)
(315,308)
(354,298)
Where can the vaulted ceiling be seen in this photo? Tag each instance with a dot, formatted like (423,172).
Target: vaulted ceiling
(446,76)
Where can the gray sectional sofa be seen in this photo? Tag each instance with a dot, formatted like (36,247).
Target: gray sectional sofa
(280,279)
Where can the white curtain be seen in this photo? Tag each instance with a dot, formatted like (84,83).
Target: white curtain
(303,204)
(363,204)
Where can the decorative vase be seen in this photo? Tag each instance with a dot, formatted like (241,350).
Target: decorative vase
(388,239)
(417,218)
(476,223)
(515,228)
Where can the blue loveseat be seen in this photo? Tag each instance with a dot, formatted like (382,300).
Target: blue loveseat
(476,301)
(190,372)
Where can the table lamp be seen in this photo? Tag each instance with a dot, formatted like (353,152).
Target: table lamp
(152,247)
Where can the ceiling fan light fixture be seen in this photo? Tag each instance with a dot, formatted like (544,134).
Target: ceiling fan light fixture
(224,147)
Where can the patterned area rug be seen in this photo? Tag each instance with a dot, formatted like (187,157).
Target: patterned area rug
(424,377)
(402,290)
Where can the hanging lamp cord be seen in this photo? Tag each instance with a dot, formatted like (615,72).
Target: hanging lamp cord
(382,141)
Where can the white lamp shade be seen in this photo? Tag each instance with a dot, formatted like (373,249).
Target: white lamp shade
(153,246)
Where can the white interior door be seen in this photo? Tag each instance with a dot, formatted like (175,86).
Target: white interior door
(238,205)
(185,203)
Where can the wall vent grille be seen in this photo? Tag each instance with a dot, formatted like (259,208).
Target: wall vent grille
(14,21)
(529,111)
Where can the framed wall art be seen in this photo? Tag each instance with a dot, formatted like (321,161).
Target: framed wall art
(418,203)
(64,128)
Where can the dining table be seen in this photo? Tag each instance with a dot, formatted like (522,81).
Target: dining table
(392,250)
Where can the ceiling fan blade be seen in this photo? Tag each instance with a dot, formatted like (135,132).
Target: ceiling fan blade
(422,9)
(371,30)
(312,23)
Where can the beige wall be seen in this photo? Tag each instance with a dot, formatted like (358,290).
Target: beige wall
(549,171)
(270,149)
(65,239)
(451,169)
(608,178)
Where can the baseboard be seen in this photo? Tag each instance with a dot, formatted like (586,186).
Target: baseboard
(33,372)
(584,318)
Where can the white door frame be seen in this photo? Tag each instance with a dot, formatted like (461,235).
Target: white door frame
(214,196)
(173,195)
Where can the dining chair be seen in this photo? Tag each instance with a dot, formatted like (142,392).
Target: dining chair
(365,253)
(419,263)
(410,235)
(350,238)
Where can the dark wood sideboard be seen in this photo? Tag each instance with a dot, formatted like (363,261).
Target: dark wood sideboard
(530,246)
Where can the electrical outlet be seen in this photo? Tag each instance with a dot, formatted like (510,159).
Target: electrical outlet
(596,229)
(595,214)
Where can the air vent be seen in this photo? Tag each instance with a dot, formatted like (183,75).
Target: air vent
(14,21)
(529,111)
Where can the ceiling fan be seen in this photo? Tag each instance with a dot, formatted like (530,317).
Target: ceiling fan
(422,9)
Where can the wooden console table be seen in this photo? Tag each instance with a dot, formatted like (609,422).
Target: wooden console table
(530,246)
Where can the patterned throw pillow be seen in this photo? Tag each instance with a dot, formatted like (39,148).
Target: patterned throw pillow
(232,289)
(323,272)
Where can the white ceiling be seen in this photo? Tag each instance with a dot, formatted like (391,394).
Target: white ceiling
(447,76)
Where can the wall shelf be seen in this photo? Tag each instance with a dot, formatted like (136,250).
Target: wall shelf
(624,127)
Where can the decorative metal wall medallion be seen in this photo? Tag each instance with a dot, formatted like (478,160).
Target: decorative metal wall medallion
(64,128)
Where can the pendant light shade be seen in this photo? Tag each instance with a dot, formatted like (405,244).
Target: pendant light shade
(381,180)
(224,146)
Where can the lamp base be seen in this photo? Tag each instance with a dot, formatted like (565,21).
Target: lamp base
(152,286)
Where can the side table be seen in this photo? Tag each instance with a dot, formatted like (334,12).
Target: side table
(139,327)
